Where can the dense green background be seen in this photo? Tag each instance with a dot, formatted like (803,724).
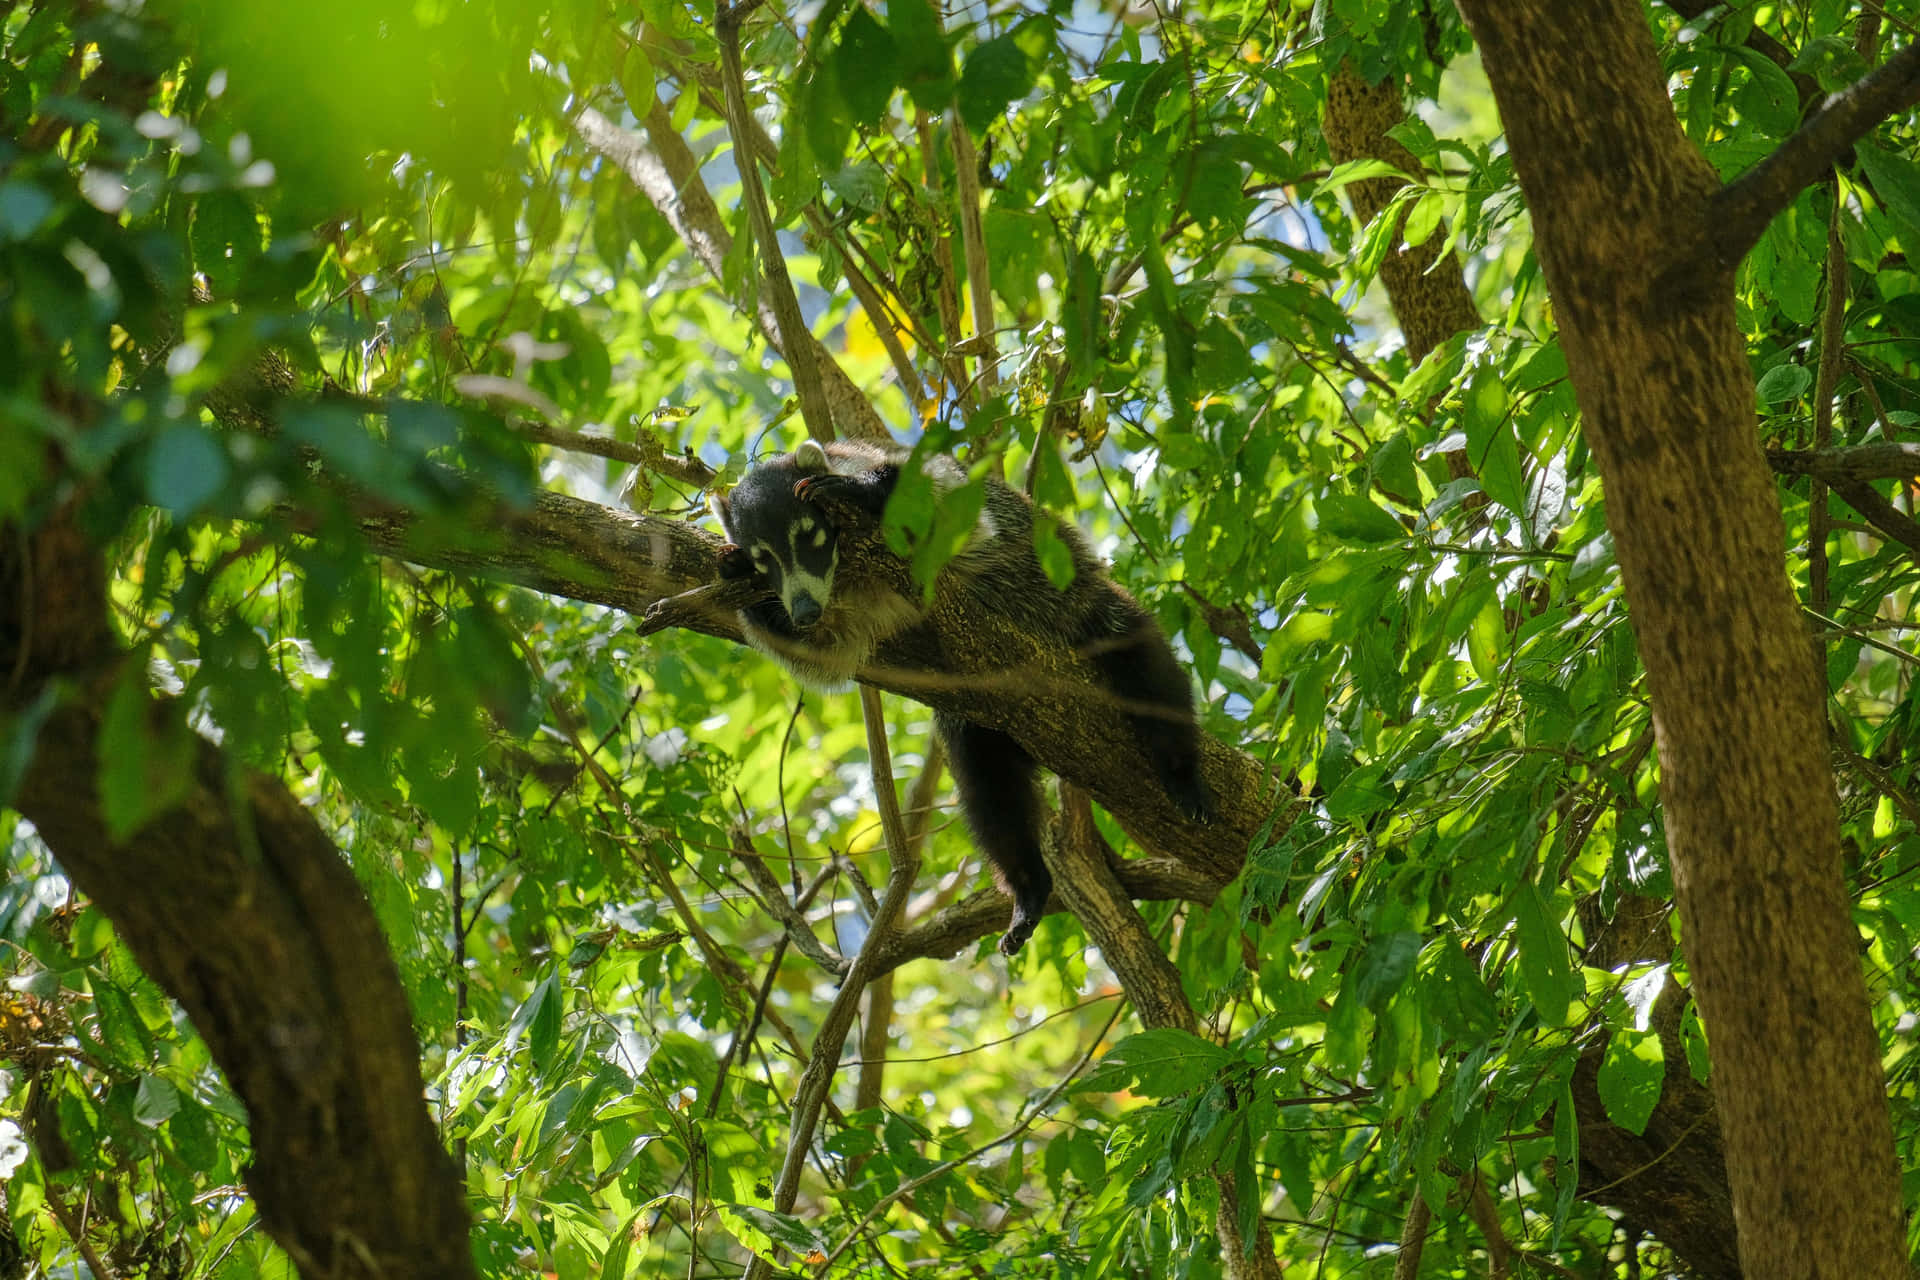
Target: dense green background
(373,200)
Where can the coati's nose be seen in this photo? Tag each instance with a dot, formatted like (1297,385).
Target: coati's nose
(805,610)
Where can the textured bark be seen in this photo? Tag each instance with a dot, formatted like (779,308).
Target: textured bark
(1624,213)
(240,907)
(1430,298)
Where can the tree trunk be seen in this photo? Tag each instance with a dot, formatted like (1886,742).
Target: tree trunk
(237,903)
(1622,209)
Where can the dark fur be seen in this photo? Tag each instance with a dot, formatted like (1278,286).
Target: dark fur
(774,514)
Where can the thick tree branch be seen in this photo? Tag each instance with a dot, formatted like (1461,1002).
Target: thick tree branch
(963,658)
(1743,208)
(1862,462)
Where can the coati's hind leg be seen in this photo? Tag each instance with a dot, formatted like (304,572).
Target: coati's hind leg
(1137,666)
(994,776)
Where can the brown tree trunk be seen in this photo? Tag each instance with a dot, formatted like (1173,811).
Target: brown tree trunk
(1623,209)
(237,903)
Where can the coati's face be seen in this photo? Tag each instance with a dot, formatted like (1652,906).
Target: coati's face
(792,543)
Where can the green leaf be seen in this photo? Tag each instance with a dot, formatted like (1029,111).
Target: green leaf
(762,1229)
(1492,447)
(1353,518)
(1384,966)
(1159,1063)
(636,80)
(994,74)
(1783,382)
(1056,557)
(1896,181)
(155,1102)
(926,63)
(146,757)
(1631,1074)
(193,1136)
(1393,469)
(865,66)
(185,467)
(1545,968)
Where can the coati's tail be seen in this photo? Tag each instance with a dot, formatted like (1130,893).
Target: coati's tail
(1136,664)
(994,776)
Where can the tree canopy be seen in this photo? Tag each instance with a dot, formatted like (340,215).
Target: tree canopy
(1509,414)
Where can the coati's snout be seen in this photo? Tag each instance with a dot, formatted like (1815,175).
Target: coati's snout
(804,610)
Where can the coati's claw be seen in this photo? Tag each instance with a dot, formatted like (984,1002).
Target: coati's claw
(1018,931)
(814,488)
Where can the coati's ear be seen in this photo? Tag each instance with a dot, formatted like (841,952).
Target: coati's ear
(811,458)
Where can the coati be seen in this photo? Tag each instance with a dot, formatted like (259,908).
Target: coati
(825,629)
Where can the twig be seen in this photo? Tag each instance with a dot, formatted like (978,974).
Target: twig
(647,452)
(1832,346)
(790,914)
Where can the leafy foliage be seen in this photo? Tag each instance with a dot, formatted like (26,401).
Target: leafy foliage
(266,264)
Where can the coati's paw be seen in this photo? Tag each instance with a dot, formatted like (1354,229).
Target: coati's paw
(1018,931)
(1189,794)
(735,562)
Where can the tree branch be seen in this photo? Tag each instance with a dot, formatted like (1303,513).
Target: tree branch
(658,162)
(904,868)
(1889,461)
(1741,210)
(795,339)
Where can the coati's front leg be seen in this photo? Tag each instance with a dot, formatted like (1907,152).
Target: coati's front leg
(994,776)
(866,491)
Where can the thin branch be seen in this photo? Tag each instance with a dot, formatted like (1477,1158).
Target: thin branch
(1832,344)
(776,904)
(794,333)
(824,1060)
(1741,210)
(973,242)
(646,452)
